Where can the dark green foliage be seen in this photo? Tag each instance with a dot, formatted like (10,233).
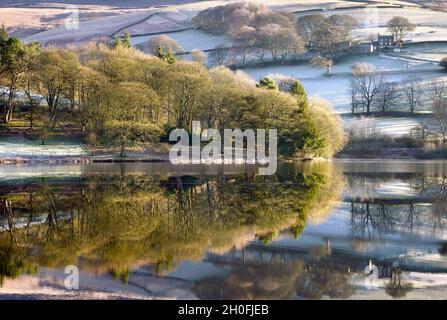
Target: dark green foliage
(267,83)
(116,42)
(166,54)
(300,137)
(123,42)
(268,237)
(126,40)
(297,90)
(443,63)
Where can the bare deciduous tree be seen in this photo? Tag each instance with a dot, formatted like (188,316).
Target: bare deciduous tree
(244,39)
(387,96)
(307,26)
(413,93)
(400,26)
(342,20)
(198,56)
(365,85)
(280,41)
(439,107)
(331,40)
(323,63)
(219,54)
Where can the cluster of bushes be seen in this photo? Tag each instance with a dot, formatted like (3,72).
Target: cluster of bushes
(364,137)
(120,96)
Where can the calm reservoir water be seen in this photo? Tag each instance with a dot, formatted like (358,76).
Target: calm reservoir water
(341,230)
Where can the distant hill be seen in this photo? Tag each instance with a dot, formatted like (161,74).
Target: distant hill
(112,3)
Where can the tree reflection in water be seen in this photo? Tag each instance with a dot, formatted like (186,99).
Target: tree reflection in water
(114,224)
(425,211)
(312,276)
(398,288)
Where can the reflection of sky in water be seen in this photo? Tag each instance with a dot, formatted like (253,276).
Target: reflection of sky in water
(388,189)
(396,188)
(413,248)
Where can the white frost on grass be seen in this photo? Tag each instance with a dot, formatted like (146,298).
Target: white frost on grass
(434,51)
(421,34)
(190,39)
(88,30)
(418,16)
(335,89)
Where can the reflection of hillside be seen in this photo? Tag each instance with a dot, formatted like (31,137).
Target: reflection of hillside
(256,273)
(421,209)
(118,223)
(394,186)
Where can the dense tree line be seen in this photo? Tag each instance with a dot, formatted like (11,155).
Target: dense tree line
(260,34)
(116,95)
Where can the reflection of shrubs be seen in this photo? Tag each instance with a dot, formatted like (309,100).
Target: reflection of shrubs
(399,291)
(397,288)
(324,278)
(165,264)
(13,264)
(298,228)
(443,63)
(268,237)
(278,280)
(121,275)
(252,280)
(318,252)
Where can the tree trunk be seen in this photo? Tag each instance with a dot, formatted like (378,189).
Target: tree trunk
(8,114)
(123,151)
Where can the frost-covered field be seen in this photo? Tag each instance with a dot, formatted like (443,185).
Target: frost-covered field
(88,30)
(335,89)
(18,147)
(190,39)
(432,25)
(371,16)
(433,51)
(421,34)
